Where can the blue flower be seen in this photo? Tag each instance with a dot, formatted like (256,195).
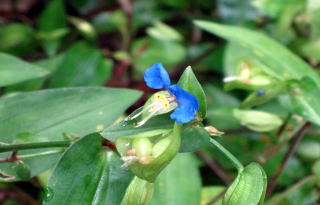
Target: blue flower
(157,77)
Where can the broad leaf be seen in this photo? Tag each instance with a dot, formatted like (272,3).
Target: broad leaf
(193,139)
(88,174)
(179,183)
(188,81)
(50,64)
(14,70)
(280,62)
(82,65)
(48,113)
(248,188)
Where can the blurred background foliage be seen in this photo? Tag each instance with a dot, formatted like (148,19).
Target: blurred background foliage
(111,42)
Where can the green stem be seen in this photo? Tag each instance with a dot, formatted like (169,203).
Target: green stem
(228,154)
(35,145)
(26,156)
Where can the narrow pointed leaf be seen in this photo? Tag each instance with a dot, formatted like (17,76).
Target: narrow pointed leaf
(189,82)
(281,63)
(14,70)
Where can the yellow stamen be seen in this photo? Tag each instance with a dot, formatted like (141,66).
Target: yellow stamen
(162,100)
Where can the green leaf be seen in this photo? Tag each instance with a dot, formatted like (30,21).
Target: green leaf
(50,64)
(248,188)
(164,32)
(275,8)
(305,99)
(193,139)
(313,9)
(14,70)
(179,183)
(257,120)
(52,20)
(122,129)
(84,27)
(88,174)
(188,81)
(279,62)
(49,113)
(309,150)
(210,192)
(17,39)
(82,65)
(167,52)
(220,108)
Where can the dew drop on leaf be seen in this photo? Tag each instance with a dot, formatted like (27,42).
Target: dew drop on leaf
(47,194)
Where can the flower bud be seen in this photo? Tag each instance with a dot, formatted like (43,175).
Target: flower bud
(148,156)
(142,147)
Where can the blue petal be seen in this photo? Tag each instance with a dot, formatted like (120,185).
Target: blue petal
(187,105)
(157,77)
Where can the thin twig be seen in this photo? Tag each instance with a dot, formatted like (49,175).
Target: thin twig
(214,167)
(284,125)
(296,140)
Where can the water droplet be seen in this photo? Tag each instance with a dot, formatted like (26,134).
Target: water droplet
(47,194)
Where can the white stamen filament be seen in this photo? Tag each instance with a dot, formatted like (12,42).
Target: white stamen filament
(148,117)
(139,113)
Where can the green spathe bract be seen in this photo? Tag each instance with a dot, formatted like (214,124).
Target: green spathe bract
(248,188)
(147,157)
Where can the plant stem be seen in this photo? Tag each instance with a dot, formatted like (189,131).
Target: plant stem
(35,145)
(26,156)
(296,140)
(14,158)
(230,156)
